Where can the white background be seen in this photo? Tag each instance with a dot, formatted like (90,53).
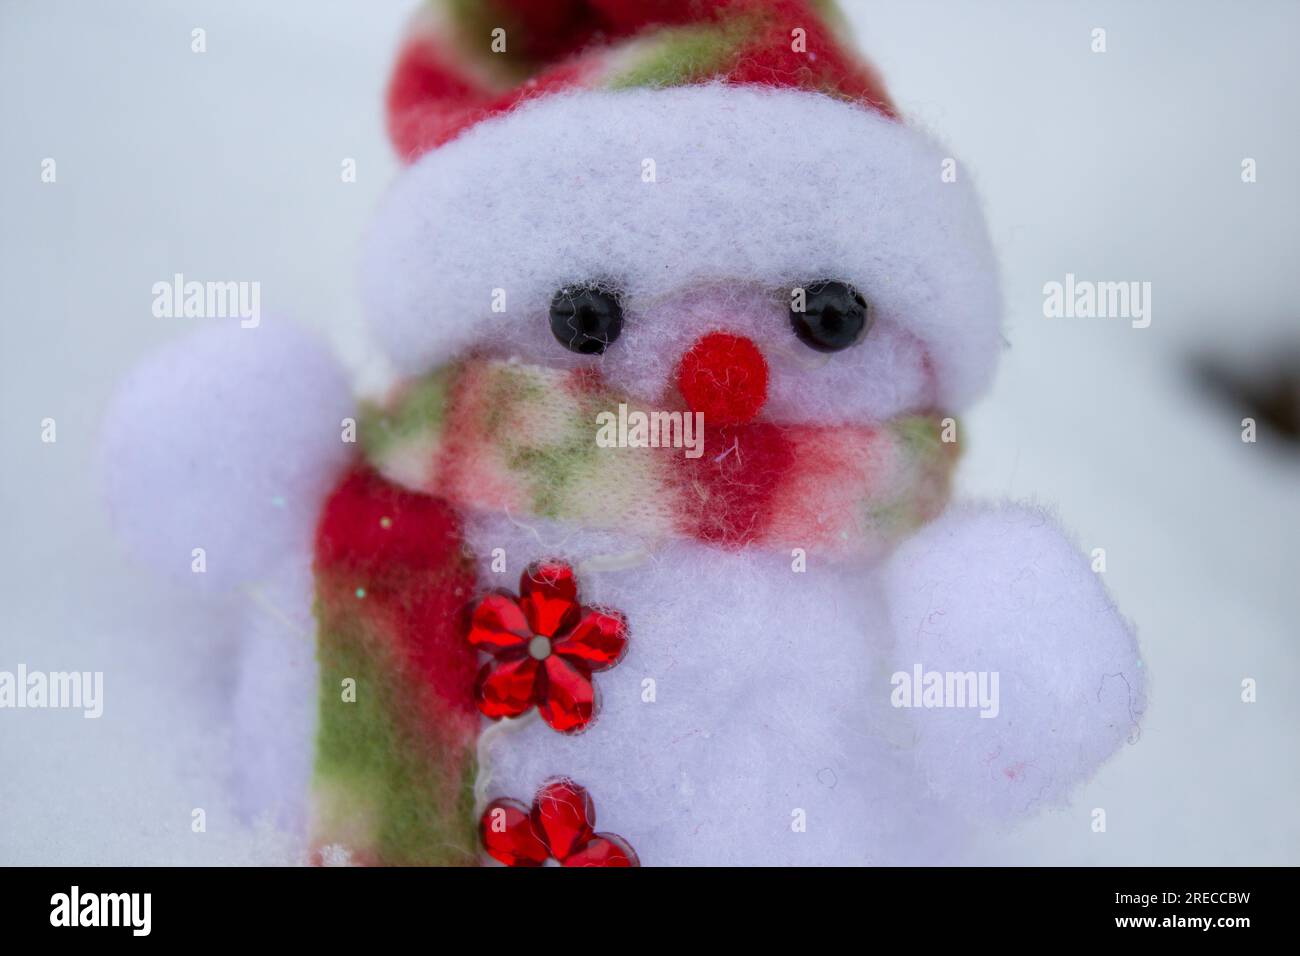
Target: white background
(1115,166)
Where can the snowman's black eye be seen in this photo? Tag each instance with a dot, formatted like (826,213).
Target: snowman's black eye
(834,315)
(586,319)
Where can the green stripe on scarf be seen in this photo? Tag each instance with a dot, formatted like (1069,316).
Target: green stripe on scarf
(386,785)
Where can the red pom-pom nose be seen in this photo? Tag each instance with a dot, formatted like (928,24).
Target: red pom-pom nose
(725,377)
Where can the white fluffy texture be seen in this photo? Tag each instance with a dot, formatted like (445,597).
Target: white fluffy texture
(773,693)
(756,191)
(276,700)
(769,700)
(999,588)
(226,441)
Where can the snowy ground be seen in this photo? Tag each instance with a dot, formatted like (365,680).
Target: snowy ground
(1114,166)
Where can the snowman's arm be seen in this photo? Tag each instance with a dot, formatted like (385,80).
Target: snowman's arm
(219,450)
(998,590)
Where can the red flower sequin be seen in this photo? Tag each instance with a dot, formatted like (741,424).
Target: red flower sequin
(545,647)
(561,824)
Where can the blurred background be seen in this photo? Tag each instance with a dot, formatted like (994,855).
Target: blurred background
(1123,165)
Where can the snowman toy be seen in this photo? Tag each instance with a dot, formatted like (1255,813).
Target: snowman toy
(473,633)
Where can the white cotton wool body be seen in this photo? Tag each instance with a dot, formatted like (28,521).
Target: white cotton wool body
(768,639)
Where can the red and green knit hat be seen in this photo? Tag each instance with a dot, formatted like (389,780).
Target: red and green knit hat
(467,60)
(527,125)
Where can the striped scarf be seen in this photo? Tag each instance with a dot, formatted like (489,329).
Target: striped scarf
(496,436)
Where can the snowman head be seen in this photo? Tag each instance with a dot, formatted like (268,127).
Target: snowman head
(714,207)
